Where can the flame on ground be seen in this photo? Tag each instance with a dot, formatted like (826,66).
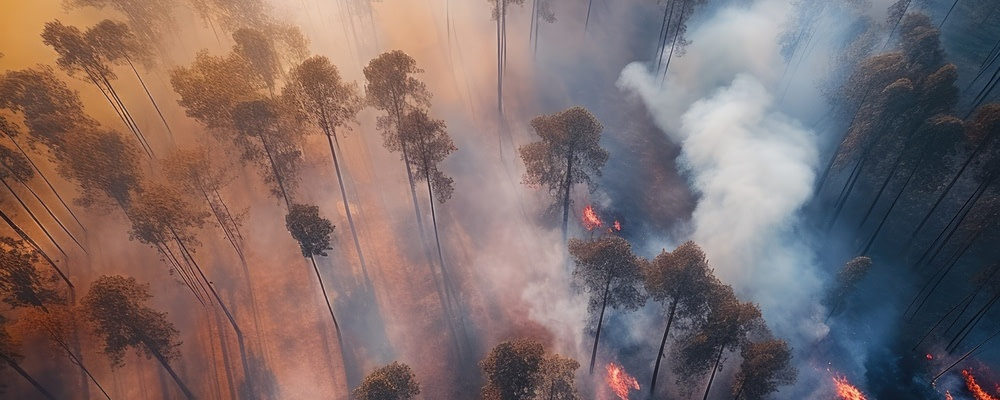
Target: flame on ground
(947,395)
(846,391)
(590,218)
(618,226)
(977,391)
(620,381)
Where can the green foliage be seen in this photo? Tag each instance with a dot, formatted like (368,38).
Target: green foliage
(392,382)
(309,229)
(116,308)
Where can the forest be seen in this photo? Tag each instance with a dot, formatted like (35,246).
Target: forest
(387,200)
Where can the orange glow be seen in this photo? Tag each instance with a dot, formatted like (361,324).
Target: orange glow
(970,383)
(846,391)
(620,381)
(947,395)
(590,218)
(618,226)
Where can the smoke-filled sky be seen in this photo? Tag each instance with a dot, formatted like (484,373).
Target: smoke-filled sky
(725,150)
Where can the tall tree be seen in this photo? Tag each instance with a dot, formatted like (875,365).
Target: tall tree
(212,86)
(22,284)
(258,49)
(568,153)
(852,272)
(104,165)
(676,14)
(268,134)
(395,381)
(512,370)
(767,365)
(727,328)
(429,144)
(500,9)
(392,88)
(92,53)
(148,19)
(116,307)
(199,172)
(15,167)
(681,282)
(608,271)
(556,379)
(313,234)
(320,93)
(10,357)
(49,109)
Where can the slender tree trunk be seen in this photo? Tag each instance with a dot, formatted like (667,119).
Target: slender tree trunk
(664,33)
(38,386)
(236,226)
(128,115)
(326,297)
(569,185)
(166,366)
(888,177)
(33,217)
(663,344)
(175,264)
(586,22)
(121,115)
(52,215)
(964,356)
(677,31)
(956,221)
(217,213)
(274,170)
(896,24)
(76,360)
(150,95)
(946,270)
(948,14)
(715,369)
(967,300)
(46,180)
(413,190)
(24,236)
(330,133)
(947,188)
(600,323)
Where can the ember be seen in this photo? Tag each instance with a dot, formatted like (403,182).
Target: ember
(620,381)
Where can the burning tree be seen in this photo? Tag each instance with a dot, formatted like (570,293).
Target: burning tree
(512,370)
(766,366)
(115,306)
(569,153)
(681,281)
(392,88)
(318,90)
(607,269)
(395,381)
(620,381)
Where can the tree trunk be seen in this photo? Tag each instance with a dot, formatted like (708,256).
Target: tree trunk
(964,356)
(948,14)
(586,22)
(150,95)
(166,366)
(347,206)
(677,30)
(664,33)
(967,300)
(715,369)
(52,215)
(956,221)
(33,217)
(128,116)
(326,297)
(274,170)
(569,184)
(24,236)
(41,389)
(121,115)
(76,360)
(46,180)
(663,344)
(947,188)
(600,323)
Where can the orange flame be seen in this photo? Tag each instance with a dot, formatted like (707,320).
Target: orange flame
(590,218)
(970,383)
(618,226)
(620,381)
(947,395)
(846,391)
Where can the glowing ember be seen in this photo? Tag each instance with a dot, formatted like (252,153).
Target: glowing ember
(590,218)
(618,226)
(620,381)
(846,391)
(929,356)
(970,383)
(947,395)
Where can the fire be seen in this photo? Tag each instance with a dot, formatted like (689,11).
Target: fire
(618,226)
(929,356)
(846,391)
(970,383)
(947,395)
(620,381)
(590,218)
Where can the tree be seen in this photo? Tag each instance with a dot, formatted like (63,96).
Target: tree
(269,136)
(674,26)
(556,378)
(767,364)
(104,165)
(58,323)
(258,49)
(681,282)
(197,171)
(512,370)
(429,144)
(9,355)
(116,308)
(320,93)
(391,88)
(569,153)
(22,284)
(93,52)
(726,328)
(608,271)
(395,381)
(149,19)
(500,16)
(212,86)
(48,108)
(313,234)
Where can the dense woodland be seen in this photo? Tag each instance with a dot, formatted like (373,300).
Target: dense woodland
(163,162)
